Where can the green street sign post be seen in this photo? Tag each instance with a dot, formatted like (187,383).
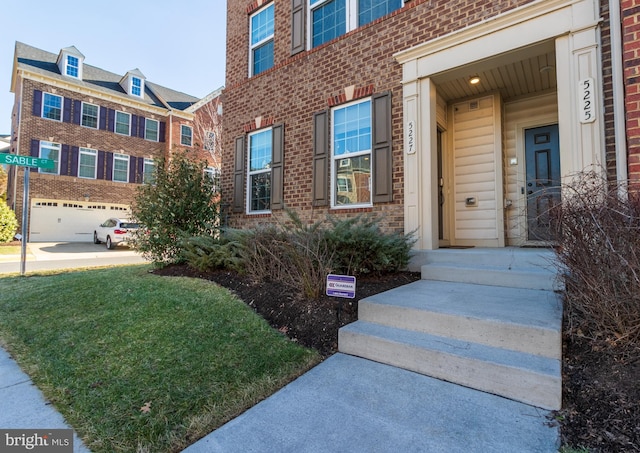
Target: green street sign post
(25,161)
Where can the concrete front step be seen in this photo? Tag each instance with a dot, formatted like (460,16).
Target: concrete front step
(522,377)
(522,320)
(509,267)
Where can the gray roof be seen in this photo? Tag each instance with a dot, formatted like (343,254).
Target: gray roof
(43,62)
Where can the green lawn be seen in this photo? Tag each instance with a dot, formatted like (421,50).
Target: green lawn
(10,250)
(106,345)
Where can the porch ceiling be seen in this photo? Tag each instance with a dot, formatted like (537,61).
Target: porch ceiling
(518,73)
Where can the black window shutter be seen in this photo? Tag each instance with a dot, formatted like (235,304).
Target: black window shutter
(277,167)
(140,170)
(64,160)
(66,110)
(112,120)
(37,103)
(238,175)
(382,149)
(132,169)
(320,158)
(103,118)
(298,21)
(75,155)
(163,129)
(134,125)
(35,152)
(108,160)
(141,124)
(102,155)
(77,111)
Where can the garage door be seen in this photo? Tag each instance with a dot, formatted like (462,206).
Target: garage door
(69,221)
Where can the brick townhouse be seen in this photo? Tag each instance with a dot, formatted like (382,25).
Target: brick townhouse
(452,119)
(103,130)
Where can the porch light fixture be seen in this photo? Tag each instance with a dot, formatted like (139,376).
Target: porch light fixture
(474,80)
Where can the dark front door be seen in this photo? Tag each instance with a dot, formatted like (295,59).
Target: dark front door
(542,150)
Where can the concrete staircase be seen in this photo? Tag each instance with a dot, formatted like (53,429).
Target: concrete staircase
(488,319)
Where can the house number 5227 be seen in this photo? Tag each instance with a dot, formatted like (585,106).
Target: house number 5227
(586,96)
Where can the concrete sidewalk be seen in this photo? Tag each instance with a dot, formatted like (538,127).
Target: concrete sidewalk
(22,405)
(348,404)
(345,404)
(68,255)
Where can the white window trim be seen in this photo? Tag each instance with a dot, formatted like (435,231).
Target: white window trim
(351,20)
(214,174)
(132,86)
(97,117)
(88,152)
(47,144)
(182,135)
(157,129)
(257,172)
(147,162)
(61,107)
(66,66)
(209,141)
(115,126)
(335,159)
(252,47)
(118,156)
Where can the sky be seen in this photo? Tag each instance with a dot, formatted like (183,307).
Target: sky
(179,45)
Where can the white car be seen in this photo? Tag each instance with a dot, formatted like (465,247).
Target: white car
(114,231)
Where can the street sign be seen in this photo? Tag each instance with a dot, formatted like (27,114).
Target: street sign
(341,286)
(26,161)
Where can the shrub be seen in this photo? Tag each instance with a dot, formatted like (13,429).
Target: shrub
(361,248)
(207,252)
(8,223)
(179,204)
(294,254)
(301,255)
(599,252)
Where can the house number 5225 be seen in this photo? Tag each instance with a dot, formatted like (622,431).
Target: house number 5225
(586,96)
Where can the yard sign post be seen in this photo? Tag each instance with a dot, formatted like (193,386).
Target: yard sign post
(341,286)
(27,162)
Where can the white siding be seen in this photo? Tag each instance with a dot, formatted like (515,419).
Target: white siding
(477,171)
(520,115)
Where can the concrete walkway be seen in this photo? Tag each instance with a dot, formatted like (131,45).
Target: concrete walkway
(349,404)
(22,405)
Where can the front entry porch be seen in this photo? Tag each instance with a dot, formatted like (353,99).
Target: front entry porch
(476,171)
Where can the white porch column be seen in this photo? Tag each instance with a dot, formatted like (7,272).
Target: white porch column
(580,106)
(421,163)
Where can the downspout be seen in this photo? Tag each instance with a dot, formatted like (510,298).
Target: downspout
(617,76)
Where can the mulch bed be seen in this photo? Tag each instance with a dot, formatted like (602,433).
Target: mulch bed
(601,389)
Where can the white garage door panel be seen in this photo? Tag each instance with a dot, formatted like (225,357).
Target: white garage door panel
(60,221)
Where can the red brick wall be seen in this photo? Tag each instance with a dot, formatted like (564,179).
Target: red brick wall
(630,11)
(67,187)
(299,86)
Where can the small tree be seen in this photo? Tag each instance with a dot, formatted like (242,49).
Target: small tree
(8,222)
(180,203)
(3,183)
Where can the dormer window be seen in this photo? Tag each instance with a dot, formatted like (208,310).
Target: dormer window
(73,66)
(133,83)
(136,86)
(70,62)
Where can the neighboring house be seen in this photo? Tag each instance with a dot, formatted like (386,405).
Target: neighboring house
(451,119)
(103,130)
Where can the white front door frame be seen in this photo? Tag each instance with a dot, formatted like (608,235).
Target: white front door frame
(572,24)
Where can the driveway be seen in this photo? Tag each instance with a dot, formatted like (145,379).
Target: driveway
(68,255)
